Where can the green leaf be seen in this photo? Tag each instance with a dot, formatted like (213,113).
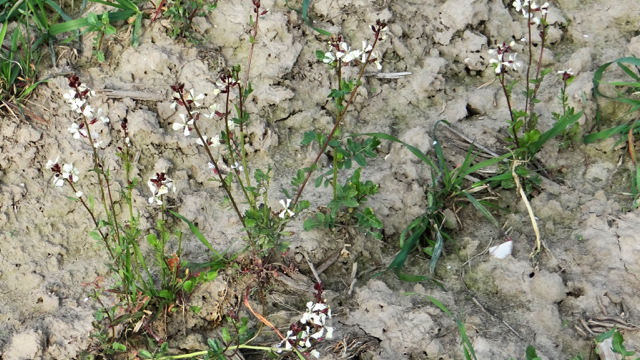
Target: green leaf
(308,138)
(310,224)
(531,353)
(602,337)
(188,286)
(468,346)
(166,294)
(135,35)
(92,18)
(414,150)
(118,347)
(482,209)
(152,240)
(145,354)
(350,202)
(225,335)
(437,251)
(197,233)
(401,257)
(557,129)
(95,235)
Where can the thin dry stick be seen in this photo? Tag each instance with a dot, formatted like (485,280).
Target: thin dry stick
(313,268)
(495,317)
(534,223)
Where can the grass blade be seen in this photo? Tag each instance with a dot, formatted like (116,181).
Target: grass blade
(401,258)
(414,150)
(468,347)
(135,35)
(197,233)
(482,209)
(437,251)
(557,128)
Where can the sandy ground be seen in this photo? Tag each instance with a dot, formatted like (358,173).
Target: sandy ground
(589,271)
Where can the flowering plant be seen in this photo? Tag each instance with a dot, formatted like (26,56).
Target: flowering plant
(531,140)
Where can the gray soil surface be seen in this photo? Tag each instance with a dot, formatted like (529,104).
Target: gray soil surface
(589,270)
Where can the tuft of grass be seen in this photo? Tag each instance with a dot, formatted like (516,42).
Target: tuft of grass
(626,93)
(447,190)
(467,346)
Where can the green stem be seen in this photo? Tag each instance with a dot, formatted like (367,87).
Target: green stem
(338,120)
(334,183)
(508,97)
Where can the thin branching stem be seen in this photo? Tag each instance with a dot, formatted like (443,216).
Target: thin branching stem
(103,236)
(215,164)
(528,78)
(339,118)
(506,95)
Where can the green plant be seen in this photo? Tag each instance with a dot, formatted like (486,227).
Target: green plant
(467,346)
(628,96)
(526,138)
(447,189)
(182,12)
(140,299)
(127,11)
(617,343)
(100,27)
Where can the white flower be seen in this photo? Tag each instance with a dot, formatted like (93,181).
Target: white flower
(57,180)
(76,105)
(231,125)
(237,167)
(191,96)
(214,141)
(329,57)
(315,353)
(366,47)
(79,194)
(286,211)
(498,69)
(70,173)
(175,96)
(90,93)
(519,5)
(77,132)
(88,111)
(185,124)
(329,332)
(346,55)
(376,55)
(159,185)
(562,72)
(69,96)
(50,163)
(104,119)
(515,65)
(212,110)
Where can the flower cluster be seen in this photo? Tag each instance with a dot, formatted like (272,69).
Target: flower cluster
(566,74)
(61,173)
(77,97)
(159,185)
(346,55)
(312,327)
(500,62)
(531,9)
